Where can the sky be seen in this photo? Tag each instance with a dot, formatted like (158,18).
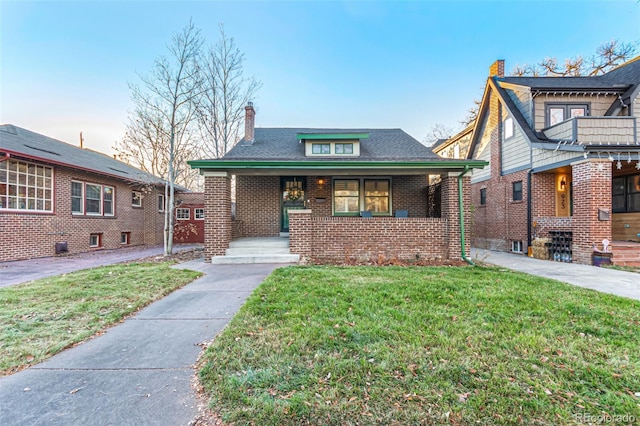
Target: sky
(65,66)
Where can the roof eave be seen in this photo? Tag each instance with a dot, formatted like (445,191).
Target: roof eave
(222,165)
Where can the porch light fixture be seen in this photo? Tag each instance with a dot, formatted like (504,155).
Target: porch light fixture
(562,183)
(320,183)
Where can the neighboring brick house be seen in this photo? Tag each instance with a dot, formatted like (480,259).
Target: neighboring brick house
(564,160)
(189,218)
(314,186)
(60,198)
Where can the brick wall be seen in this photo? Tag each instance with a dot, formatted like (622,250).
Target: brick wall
(32,235)
(217,211)
(451,212)
(356,239)
(589,179)
(257,206)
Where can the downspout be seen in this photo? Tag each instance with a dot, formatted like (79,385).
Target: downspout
(529,210)
(6,157)
(461,216)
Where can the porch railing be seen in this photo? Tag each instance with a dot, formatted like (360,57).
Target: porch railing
(595,131)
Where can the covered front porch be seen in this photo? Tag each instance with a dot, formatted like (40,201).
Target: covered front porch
(579,205)
(339,216)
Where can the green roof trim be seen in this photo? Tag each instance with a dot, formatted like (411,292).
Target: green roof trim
(332,136)
(320,165)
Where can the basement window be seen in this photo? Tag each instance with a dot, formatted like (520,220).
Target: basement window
(125,238)
(516,246)
(95,240)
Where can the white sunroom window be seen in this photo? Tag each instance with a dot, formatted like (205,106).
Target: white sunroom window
(26,186)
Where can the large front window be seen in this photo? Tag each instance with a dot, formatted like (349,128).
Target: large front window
(346,196)
(351,196)
(26,186)
(626,194)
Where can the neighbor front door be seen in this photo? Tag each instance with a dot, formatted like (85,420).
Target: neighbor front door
(293,198)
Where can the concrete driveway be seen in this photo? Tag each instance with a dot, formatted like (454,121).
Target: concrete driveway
(140,371)
(20,271)
(626,284)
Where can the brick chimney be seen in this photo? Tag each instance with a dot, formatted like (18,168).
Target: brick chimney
(249,123)
(497,69)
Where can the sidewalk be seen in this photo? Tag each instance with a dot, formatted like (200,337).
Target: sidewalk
(140,371)
(20,271)
(626,284)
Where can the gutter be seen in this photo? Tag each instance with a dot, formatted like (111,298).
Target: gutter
(461,217)
(6,157)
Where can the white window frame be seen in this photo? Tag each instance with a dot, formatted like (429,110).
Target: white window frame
(508,128)
(125,238)
(182,209)
(28,185)
(103,190)
(98,237)
(516,246)
(161,203)
(87,212)
(198,213)
(81,211)
(136,199)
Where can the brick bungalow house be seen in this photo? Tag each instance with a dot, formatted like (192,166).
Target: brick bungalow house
(57,198)
(318,186)
(564,159)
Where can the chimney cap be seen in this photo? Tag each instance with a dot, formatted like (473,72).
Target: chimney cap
(249,104)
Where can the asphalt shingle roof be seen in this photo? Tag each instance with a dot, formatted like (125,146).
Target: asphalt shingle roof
(19,141)
(283,144)
(618,79)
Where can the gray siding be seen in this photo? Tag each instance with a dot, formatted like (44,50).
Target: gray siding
(546,157)
(484,174)
(515,150)
(523,100)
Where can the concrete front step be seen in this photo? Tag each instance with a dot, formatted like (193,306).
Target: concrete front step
(256,251)
(260,243)
(243,259)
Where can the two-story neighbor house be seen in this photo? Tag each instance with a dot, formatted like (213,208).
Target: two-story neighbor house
(564,160)
(60,198)
(353,195)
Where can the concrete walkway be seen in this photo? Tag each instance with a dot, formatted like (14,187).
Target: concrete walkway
(20,271)
(140,371)
(626,284)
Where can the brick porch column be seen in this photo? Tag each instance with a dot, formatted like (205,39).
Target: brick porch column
(451,212)
(591,191)
(300,233)
(217,213)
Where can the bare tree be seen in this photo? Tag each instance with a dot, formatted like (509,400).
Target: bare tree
(226,92)
(145,145)
(438,132)
(159,133)
(607,56)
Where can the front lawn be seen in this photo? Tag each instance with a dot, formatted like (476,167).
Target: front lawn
(390,345)
(40,318)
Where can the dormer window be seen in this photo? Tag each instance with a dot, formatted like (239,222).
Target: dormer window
(332,144)
(344,148)
(557,113)
(321,148)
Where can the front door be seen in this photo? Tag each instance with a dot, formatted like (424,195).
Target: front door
(293,198)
